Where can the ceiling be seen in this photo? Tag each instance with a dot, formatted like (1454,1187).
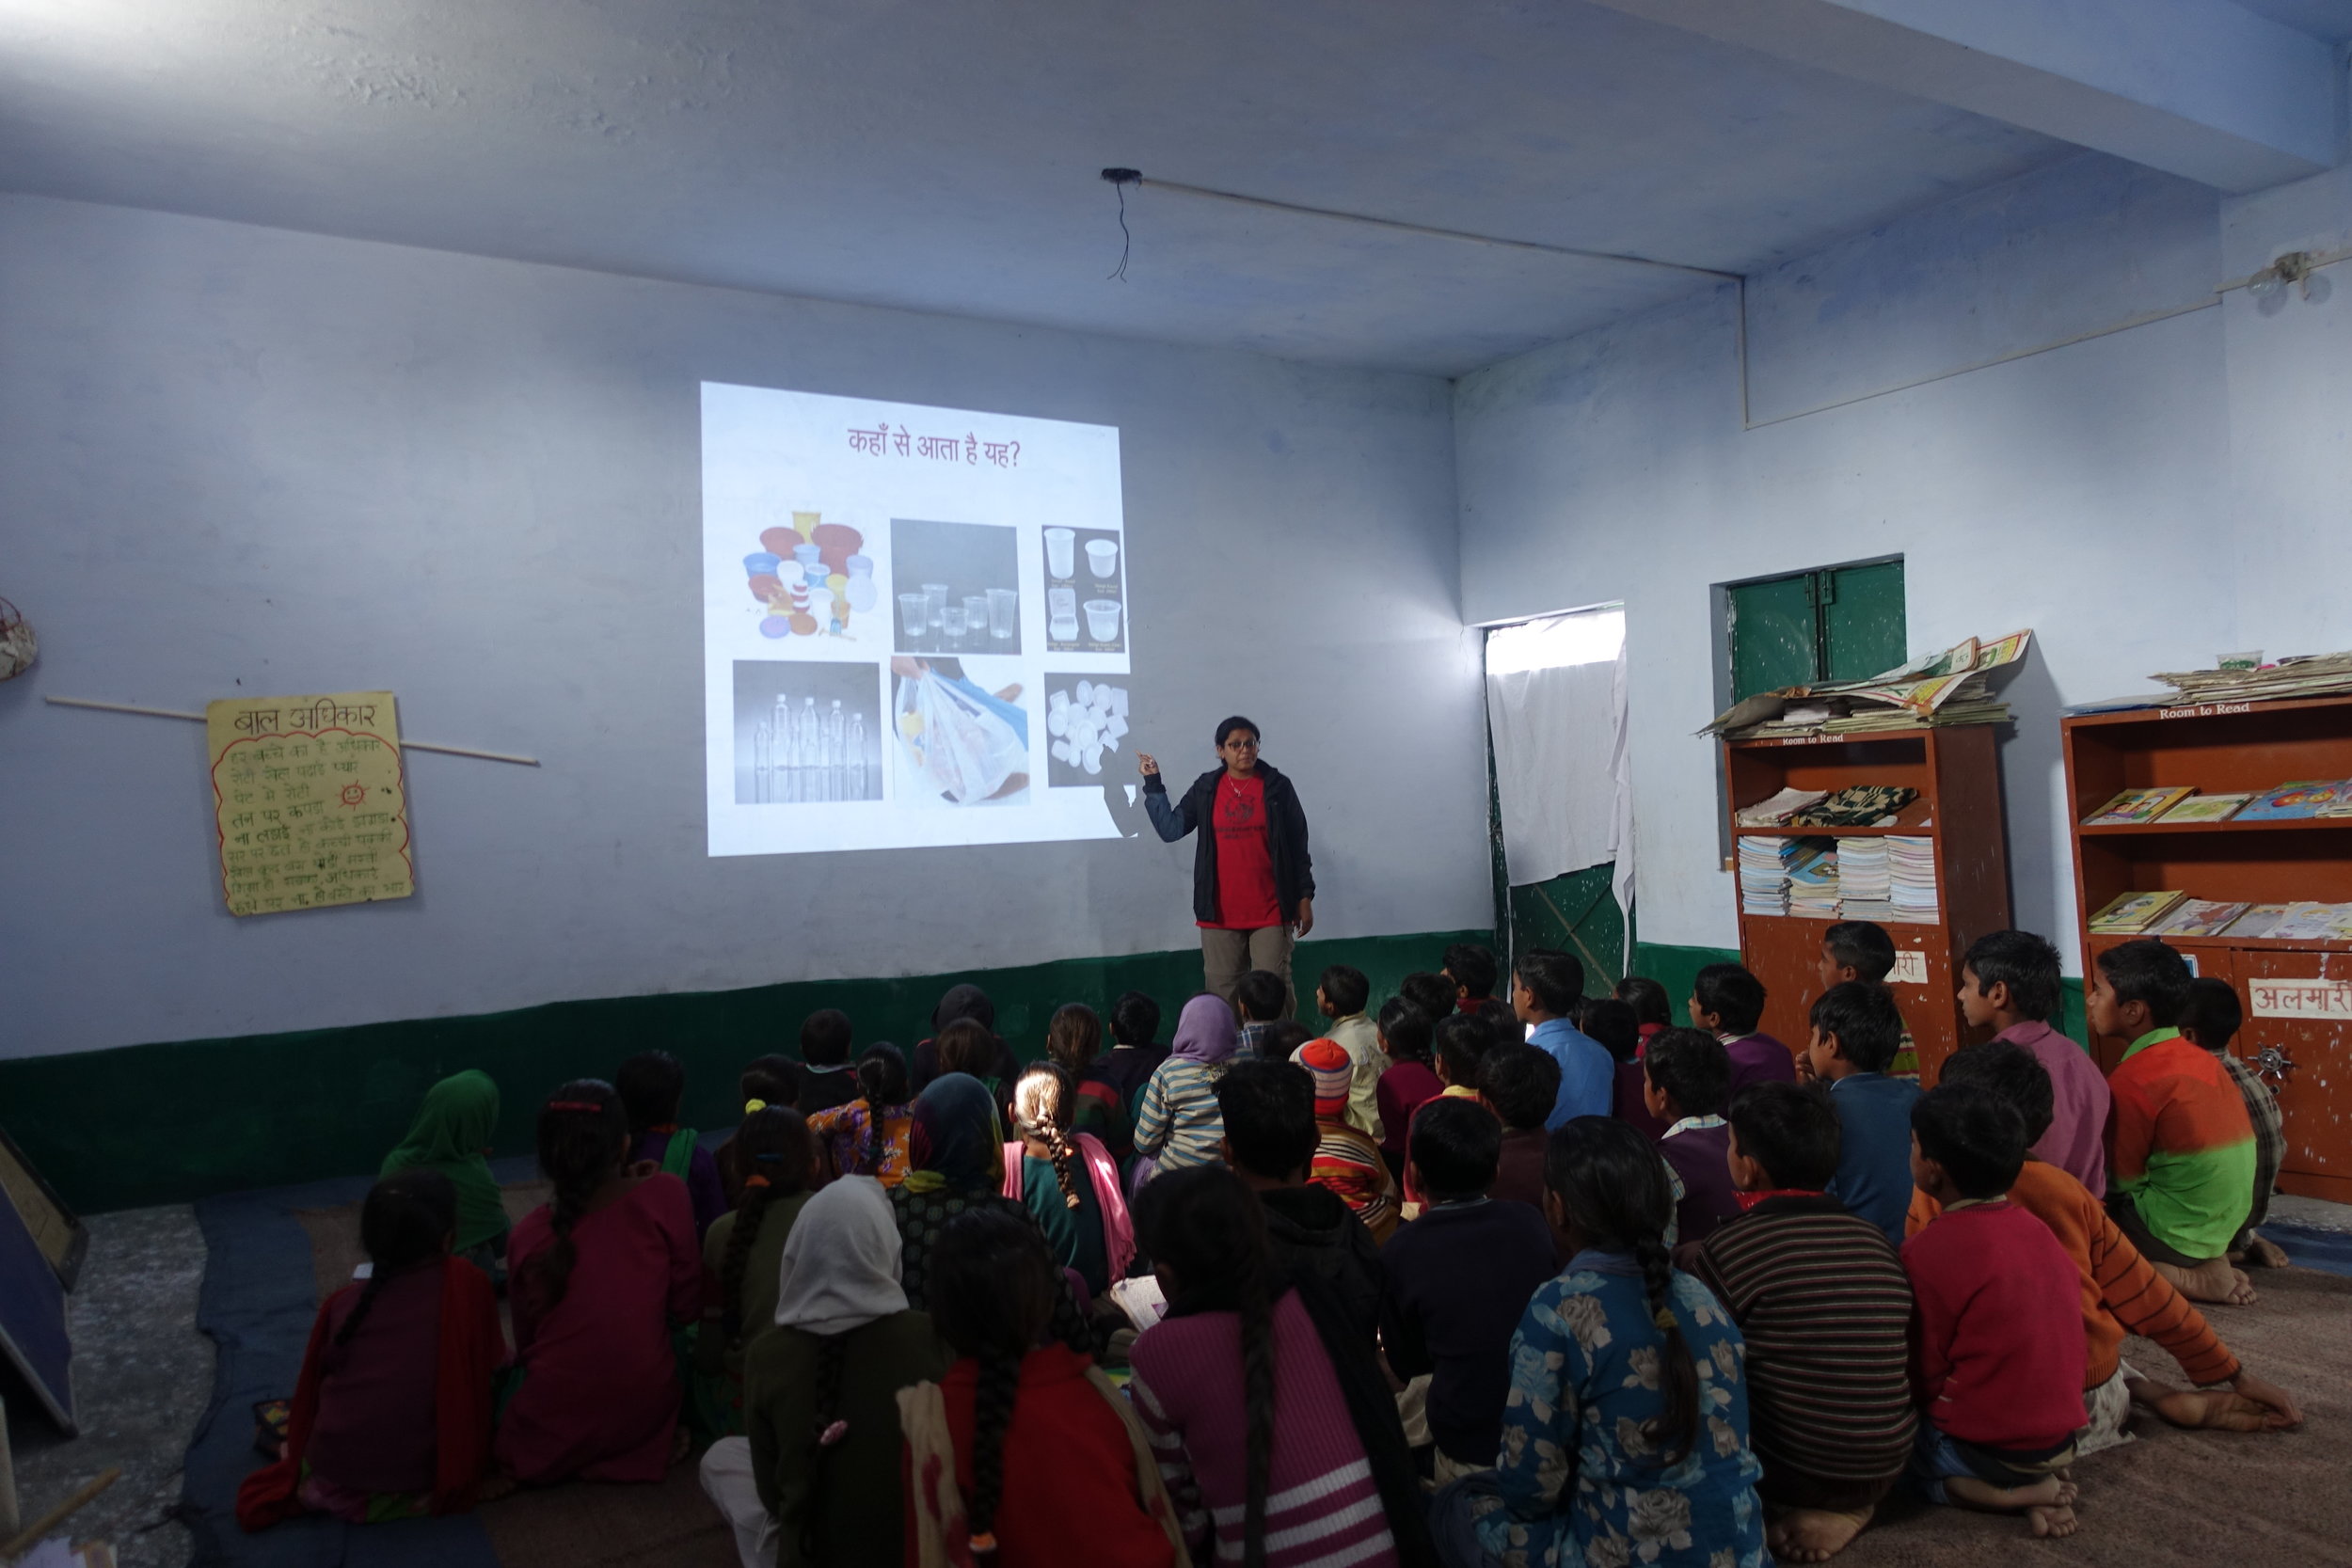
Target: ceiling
(941,155)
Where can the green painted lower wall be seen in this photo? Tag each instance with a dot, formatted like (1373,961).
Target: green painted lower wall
(170,1122)
(1677,968)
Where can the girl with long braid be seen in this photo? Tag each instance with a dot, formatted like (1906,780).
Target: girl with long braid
(600,1277)
(743,1251)
(1275,1429)
(1625,1438)
(814,1482)
(392,1413)
(867,1136)
(1067,1181)
(1024,1455)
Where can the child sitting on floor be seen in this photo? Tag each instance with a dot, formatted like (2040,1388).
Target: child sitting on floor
(1346,1160)
(1410,1081)
(1023,1453)
(867,1137)
(817,1484)
(768,1081)
(600,1277)
(1860,952)
(1825,1307)
(1460,1043)
(1177,1121)
(2181,1150)
(1270,1135)
(1685,1076)
(1067,1181)
(1521,1082)
(2209,1020)
(1546,986)
(2010,980)
(392,1413)
(827,1038)
(1727,1002)
(452,1134)
(1653,1009)
(1431,992)
(1074,1038)
(1614,1025)
(1258,999)
(1134,1050)
(2119,1293)
(652,1086)
(1855,1033)
(1458,1279)
(1341,997)
(1625,1435)
(743,1250)
(1998,1353)
(1473,970)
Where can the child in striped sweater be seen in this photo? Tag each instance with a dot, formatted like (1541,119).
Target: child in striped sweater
(1822,1302)
(1178,1124)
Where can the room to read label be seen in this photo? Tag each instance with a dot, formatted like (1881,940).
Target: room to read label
(2301,998)
(2205,710)
(1911,968)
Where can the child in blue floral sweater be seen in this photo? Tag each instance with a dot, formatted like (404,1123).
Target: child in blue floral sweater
(1625,1435)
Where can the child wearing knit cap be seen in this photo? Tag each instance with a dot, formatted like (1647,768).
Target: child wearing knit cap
(1346,1160)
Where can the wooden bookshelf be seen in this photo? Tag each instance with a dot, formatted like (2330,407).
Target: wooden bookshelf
(1957,773)
(2220,748)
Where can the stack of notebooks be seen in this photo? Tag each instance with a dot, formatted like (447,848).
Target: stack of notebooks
(1911,878)
(2304,675)
(1764,875)
(1864,887)
(1813,879)
(2176,914)
(1776,810)
(2302,798)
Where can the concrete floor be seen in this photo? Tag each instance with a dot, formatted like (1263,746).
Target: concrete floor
(141,1376)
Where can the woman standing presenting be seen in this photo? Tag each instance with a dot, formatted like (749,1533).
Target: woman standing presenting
(1253,883)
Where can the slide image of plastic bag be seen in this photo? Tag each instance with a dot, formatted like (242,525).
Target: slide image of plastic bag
(806,732)
(1086,595)
(1085,726)
(956,587)
(956,745)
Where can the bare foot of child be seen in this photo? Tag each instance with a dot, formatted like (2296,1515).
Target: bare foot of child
(2048,1504)
(681,1445)
(2264,1253)
(1814,1534)
(493,1489)
(2212,1410)
(2212,1280)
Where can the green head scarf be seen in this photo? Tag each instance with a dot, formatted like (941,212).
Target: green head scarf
(454,1126)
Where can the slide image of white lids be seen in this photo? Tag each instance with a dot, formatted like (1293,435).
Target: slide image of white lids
(1085,728)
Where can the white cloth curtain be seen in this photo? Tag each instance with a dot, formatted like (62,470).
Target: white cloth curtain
(1556,707)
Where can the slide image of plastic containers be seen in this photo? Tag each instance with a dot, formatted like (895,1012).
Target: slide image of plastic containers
(967,579)
(1084,572)
(1085,731)
(806,732)
(809,579)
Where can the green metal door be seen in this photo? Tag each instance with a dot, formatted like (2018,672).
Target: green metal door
(1862,620)
(1775,635)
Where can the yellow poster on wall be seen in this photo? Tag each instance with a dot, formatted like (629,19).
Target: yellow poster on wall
(312,807)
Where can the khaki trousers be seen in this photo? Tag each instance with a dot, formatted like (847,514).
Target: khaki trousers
(1227,956)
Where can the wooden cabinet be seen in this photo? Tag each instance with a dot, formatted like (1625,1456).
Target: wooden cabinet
(1957,773)
(2299,1035)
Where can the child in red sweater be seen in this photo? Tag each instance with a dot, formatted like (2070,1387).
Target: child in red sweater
(1023,1455)
(1998,1353)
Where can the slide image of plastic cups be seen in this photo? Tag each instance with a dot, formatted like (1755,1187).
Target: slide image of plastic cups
(1086,724)
(1084,592)
(806,732)
(957,588)
(957,742)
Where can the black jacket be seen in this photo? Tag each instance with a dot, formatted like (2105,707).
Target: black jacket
(1312,1234)
(1286,837)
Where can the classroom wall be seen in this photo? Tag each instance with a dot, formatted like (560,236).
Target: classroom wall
(2170,486)
(240,460)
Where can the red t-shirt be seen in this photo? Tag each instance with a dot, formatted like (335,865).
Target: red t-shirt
(1245,857)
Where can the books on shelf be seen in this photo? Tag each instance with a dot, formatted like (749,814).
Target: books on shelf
(2303,798)
(2198,917)
(2133,913)
(2207,808)
(1776,810)
(1812,880)
(2138,805)
(2260,920)
(1957,685)
(2306,921)
(1911,877)
(1764,875)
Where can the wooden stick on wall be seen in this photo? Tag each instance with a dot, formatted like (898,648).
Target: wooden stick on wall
(405,745)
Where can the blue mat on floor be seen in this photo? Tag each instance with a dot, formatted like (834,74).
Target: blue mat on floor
(259,1299)
(2310,1247)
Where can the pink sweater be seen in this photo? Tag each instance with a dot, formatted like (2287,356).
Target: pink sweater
(1321,1506)
(2076,1141)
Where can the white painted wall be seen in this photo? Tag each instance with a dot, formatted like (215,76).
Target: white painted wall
(2143,500)
(236,459)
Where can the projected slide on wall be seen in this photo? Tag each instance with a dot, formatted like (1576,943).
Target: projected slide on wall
(915,625)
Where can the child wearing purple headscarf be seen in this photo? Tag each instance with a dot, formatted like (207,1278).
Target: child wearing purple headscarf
(1178,1122)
